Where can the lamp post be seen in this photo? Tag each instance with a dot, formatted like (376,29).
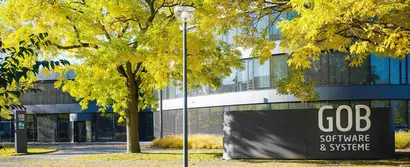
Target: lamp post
(161,132)
(184,14)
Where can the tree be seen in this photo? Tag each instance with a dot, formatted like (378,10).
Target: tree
(357,28)
(18,68)
(125,49)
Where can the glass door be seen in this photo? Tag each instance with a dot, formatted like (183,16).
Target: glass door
(79,131)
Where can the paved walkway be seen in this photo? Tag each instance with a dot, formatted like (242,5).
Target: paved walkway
(67,151)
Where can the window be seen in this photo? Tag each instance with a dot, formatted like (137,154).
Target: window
(408,113)
(291,15)
(279,106)
(278,69)
(360,75)
(249,63)
(31,124)
(178,92)
(261,74)
(262,25)
(274,32)
(403,71)
(399,108)
(262,107)
(336,104)
(6,132)
(120,129)
(105,129)
(298,106)
(380,103)
(354,103)
(339,69)
(408,69)
(379,67)
(319,71)
(244,107)
(229,83)
(394,71)
(314,105)
(169,92)
(243,78)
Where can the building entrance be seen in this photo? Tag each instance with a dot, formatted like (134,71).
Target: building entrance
(80,131)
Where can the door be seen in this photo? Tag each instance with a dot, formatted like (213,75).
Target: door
(79,131)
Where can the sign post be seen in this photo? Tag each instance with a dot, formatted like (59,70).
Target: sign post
(20,133)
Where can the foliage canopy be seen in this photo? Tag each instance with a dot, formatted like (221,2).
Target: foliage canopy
(124,49)
(18,68)
(357,28)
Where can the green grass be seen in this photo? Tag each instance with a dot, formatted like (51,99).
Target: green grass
(402,140)
(9,151)
(198,141)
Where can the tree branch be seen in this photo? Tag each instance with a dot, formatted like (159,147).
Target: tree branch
(121,70)
(105,30)
(82,45)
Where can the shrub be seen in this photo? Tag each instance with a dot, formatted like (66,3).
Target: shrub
(402,140)
(198,141)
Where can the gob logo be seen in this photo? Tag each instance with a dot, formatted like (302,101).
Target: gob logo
(345,108)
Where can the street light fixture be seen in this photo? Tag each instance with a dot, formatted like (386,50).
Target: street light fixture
(185,14)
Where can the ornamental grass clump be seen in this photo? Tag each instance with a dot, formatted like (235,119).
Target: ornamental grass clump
(402,140)
(198,141)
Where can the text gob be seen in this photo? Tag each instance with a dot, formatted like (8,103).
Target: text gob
(362,121)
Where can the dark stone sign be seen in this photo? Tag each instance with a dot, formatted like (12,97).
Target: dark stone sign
(325,133)
(20,132)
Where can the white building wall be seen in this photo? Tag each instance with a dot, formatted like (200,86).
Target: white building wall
(234,98)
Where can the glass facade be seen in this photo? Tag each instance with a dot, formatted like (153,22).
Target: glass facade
(338,69)
(260,25)
(209,119)
(59,128)
(278,69)
(379,70)
(6,130)
(106,125)
(261,74)
(331,70)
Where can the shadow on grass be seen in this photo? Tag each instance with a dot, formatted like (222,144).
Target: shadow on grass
(35,153)
(399,159)
(7,149)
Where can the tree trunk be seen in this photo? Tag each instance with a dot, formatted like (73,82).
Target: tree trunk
(133,145)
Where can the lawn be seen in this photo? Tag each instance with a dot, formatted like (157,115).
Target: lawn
(213,158)
(9,151)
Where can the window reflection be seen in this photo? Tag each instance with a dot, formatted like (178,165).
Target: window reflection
(360,75)
(243,79)
(394,71)
(278,69)
(261,74)
(339,69)
(229,83)
(319,71)
(380,70)
(399,108)
(330,69)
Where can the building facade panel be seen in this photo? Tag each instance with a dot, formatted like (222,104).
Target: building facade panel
(379,82)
